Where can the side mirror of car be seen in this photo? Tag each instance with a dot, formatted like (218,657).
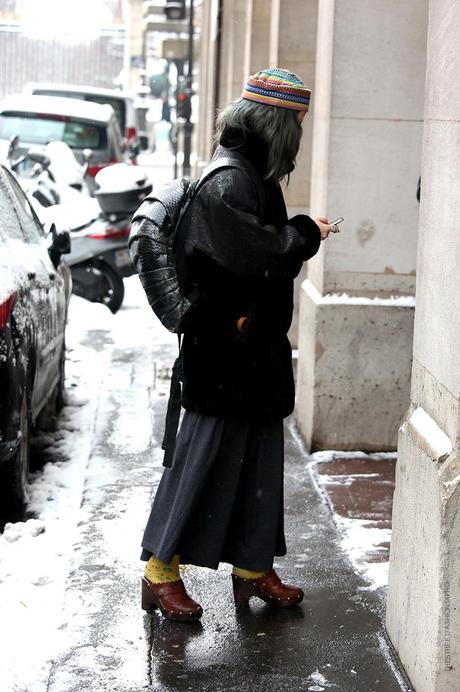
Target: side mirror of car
(60,245)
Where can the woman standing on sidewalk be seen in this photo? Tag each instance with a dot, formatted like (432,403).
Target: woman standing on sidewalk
(222,499)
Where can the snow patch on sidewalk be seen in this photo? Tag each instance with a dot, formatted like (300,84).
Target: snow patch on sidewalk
(319,682)
(360,538)
(35,554)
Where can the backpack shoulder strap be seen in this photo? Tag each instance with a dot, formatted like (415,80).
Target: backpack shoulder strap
(226,162)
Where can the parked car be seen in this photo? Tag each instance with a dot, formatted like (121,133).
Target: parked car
(35,287)
(121,101)
(85,127)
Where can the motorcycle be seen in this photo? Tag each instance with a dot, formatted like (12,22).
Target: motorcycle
(99,258)
(99,225)
(51,174)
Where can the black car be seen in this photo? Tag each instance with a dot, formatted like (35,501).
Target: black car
(35,287)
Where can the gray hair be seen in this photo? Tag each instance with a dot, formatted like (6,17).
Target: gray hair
(277,127)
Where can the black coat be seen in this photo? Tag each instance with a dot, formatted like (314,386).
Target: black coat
(238,247)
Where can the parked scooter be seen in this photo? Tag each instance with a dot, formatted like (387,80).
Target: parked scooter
(31,171)
(99,259)
(99,226)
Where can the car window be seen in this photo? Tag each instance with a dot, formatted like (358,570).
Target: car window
(26,215)
(9,224)
(81,135)
(41,129)
(118,106)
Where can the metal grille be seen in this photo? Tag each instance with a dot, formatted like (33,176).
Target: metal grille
(24,58)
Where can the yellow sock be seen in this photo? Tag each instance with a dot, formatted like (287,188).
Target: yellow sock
(160,572)
(246,573)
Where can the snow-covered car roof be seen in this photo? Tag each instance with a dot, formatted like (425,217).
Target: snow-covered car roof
(57,105)
(30,87)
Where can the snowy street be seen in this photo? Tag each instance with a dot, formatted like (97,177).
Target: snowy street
(70,569)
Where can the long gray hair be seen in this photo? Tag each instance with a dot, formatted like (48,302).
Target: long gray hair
(277,127)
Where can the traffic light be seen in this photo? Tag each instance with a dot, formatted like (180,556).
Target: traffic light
(175,9)
(183,102)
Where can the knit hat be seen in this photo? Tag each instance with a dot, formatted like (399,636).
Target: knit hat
(276,87)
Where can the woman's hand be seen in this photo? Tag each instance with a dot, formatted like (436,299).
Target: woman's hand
(323,225)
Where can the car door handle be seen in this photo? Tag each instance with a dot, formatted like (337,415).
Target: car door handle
(31,276)
(52,276)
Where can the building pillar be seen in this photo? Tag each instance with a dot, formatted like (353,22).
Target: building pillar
(257,36)
(222,66)
(234,44)
(134,45)
(293,47)
(356,313)
(423,608)
(207,82)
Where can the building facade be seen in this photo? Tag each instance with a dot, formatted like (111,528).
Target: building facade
(384,83)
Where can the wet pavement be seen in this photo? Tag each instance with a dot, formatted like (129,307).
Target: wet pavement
(334,640)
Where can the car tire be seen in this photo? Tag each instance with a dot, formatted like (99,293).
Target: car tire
(114,292)
(16,470)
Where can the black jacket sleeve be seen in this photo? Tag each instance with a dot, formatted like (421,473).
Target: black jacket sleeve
(223,221)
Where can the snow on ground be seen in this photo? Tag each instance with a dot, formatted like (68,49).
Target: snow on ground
(359,537)
(319,682)
(336,298)
(35,553)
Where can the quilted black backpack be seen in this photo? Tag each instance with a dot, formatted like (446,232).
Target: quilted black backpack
(155,225)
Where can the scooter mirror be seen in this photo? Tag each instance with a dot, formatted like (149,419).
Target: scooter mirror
(134,150)
(14,141)
(40,157)
(87,155)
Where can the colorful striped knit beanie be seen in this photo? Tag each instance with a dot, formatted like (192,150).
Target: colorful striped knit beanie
(276,87)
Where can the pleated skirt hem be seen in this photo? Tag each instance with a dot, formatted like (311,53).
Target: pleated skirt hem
(222,499)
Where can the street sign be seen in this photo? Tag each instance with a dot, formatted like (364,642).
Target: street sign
(174,48)
(164,26)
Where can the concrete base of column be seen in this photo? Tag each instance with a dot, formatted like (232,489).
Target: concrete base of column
(422,616)
(354,367)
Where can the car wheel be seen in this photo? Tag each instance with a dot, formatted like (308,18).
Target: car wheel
(16,471)
(114,288)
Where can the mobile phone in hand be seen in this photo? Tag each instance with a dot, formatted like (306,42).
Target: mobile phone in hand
(334,225)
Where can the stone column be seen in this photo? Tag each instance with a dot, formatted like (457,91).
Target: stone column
(230,63)
(257,36)
(207,83)
(423,609)
(234,44)
(134,45)
(293,47)
(356,315)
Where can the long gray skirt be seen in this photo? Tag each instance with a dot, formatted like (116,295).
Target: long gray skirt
(222,499)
